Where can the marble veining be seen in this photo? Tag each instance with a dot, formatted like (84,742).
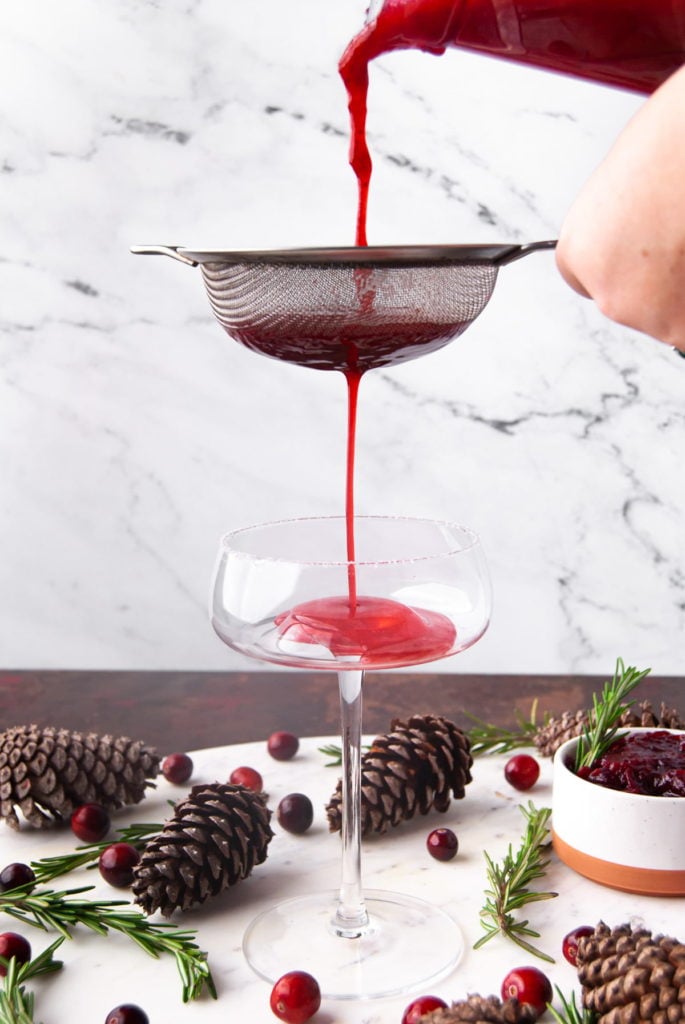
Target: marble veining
(133,431)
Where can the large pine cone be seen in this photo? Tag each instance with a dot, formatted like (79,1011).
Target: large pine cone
(482,1010)
(214,839)
(46,772)
(570,724)
(630,977)
(412,768)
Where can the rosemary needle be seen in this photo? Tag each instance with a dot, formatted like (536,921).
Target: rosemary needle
(16,1004)
(510,881)
(61,911)
(486,738)
(48,868)
(602,727)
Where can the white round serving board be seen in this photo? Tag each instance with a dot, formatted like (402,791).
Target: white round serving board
(99,973)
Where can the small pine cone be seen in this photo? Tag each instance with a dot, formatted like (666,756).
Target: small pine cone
(216,835)
(556,731)
(643,716)
(415,767)
(482,1010)
(46,773)
(630,977)
(570,724)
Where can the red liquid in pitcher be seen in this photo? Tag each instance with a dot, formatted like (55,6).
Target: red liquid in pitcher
(635,44)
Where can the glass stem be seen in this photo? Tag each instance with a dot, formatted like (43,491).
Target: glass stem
(351,918)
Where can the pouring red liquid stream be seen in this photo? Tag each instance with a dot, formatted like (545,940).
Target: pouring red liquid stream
(634,44)
(376,631)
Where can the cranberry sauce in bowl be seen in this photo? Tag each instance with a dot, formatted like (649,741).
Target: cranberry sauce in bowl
(651,763)
(632,837)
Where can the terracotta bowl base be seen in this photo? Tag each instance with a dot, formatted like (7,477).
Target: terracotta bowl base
(644,881)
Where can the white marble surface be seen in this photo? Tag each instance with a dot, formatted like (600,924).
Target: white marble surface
(133,431)
(101,973)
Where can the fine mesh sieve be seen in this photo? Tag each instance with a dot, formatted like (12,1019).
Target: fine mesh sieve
(347,308)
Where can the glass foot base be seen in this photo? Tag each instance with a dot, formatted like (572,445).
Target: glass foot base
(407,945)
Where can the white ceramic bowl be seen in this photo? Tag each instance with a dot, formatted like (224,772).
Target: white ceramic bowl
(624,840)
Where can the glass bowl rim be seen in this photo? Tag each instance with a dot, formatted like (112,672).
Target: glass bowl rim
(225,545)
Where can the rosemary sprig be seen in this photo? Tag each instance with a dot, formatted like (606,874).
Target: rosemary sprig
(334,751)
(63,910)
(602,727)
(16,1004)
(52,867)
(570,1012)
(486,738)
(509,884)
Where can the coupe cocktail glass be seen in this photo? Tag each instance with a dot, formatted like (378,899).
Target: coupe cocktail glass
(285,592)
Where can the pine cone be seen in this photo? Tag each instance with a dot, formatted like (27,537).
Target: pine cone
(570,724)
(412,768)
(630,977)
(216,835)
(48,772)
(482,1010)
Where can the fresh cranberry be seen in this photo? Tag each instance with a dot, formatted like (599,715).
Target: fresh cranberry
(569,945)
(424,1004)
(282,745)
(522,771)
(177,768)
(529,985)
(117,863)
(90,823)
(127,1013)
(295,813)
(442,844)
(13,945)
(296,997)
(248,777)
(14,875)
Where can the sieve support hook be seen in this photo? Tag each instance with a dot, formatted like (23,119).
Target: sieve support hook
(517,252)
(163,250)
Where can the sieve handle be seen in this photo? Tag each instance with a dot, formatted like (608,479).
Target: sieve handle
(163,250)
(517,252)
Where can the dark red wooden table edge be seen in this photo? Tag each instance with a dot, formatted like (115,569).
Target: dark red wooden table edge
(188,710)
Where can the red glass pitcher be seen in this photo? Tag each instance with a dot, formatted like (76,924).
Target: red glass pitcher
(631,43)
(635,44)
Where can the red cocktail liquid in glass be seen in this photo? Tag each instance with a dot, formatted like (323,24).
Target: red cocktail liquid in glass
(376,630)
(634,44)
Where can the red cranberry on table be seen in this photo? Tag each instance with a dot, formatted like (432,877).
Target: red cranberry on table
(248,777)
(569,945)
(117,863)
(295,813)
(177,768)
(14,875)
(282,745)
(529,985)
(13,945)
(295,997)
(90,823)
(127,1013)
(424,1004)
(442,844)
(522,771)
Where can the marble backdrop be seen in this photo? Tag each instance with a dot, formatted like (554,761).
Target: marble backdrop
(133,431)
